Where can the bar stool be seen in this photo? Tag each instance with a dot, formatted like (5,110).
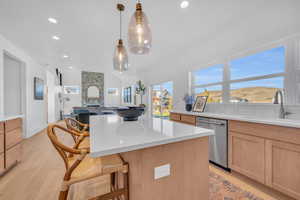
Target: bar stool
(80,167)
(80,133)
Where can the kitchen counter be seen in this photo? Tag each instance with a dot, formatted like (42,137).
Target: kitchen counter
(164,157)
(270,121)
(6,118)
(110,134)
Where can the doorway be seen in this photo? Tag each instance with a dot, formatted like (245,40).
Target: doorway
(162,99)
(50,97)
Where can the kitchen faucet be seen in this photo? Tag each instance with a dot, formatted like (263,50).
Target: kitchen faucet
(282,112)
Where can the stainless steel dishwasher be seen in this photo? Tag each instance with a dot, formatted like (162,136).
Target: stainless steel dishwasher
(218,143)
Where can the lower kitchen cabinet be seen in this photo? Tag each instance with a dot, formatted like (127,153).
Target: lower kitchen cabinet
(10,144)
(266,153)
(247,155)
(2,163)
(283,167)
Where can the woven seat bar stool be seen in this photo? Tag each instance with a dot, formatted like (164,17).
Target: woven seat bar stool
(81,167)
(81,136)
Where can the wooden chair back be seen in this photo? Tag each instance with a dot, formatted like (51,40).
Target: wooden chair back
(65,151)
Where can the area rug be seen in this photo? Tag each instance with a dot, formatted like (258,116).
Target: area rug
(221,189)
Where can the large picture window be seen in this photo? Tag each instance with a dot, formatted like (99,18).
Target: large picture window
(208,82)
(254,78)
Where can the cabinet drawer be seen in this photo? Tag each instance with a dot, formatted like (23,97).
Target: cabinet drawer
(285,134)
(1,128)
(175,116)
(13,124)
(13,137)
(189,119)
(13,156)
(1,143)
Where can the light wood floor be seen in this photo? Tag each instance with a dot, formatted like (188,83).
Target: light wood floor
(39,175)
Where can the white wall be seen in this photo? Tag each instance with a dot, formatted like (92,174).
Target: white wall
(35,111)
(72,77)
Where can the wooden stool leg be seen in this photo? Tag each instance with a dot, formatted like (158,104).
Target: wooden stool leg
(63,195)
(126,186)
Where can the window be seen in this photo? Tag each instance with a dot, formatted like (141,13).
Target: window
(263,63)
(214,93)
(256,78)
(253,79)
(208,82)
(127,95)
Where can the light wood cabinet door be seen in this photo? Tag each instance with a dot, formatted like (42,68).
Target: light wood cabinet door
(283,167)
(13,156)
(1,163)
(247,155)
(1,143)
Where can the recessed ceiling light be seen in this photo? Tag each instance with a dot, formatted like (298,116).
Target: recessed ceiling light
(70,67)
(52,20)
(65,56)
(55,37)
(184,4)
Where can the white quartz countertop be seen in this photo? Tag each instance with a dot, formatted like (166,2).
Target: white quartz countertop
(5,118)
(270,121)
(109,134)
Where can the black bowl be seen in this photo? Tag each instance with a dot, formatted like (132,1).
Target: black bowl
(130,113)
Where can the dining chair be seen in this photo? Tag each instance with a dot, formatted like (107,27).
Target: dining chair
(81,167)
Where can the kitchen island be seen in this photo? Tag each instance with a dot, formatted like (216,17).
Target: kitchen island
(167,160)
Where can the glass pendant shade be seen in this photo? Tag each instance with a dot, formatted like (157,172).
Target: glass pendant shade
(120,59)
(139,32)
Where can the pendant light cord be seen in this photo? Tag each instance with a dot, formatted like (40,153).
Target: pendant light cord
(120,24)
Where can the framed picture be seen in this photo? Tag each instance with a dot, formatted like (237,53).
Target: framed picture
(38,88)
(200,104)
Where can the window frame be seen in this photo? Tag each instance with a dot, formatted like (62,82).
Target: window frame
(226,82)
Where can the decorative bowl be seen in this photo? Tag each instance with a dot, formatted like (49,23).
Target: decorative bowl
(130,113)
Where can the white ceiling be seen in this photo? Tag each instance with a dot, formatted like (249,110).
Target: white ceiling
(89,28)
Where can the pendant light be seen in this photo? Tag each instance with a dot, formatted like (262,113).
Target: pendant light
(120,59)
(139,32)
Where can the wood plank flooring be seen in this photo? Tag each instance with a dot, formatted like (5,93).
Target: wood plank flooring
(39,175)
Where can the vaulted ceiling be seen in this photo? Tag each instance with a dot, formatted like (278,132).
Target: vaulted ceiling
(89,28)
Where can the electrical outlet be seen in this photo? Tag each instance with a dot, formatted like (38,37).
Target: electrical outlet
(162,171)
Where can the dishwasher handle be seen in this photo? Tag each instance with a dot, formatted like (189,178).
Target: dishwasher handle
(214,123)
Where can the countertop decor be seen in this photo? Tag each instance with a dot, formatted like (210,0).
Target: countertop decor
(130,113)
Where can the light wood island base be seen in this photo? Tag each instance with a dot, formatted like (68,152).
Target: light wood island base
(189,177)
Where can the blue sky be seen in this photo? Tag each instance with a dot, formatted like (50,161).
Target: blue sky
(166,85)
(263,63)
